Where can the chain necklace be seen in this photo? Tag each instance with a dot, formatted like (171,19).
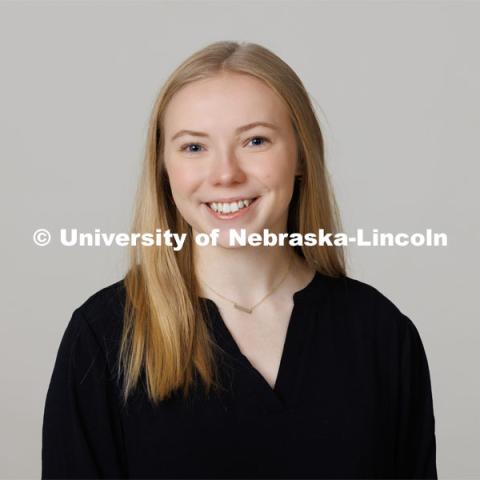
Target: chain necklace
(250,310)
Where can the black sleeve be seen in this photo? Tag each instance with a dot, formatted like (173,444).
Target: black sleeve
(416,443)
(81,435)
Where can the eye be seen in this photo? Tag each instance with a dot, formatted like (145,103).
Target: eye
(185,147)
(260,138)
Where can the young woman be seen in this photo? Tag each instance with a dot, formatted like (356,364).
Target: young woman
(224,361)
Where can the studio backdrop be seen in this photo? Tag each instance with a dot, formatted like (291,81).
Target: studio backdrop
(395,89)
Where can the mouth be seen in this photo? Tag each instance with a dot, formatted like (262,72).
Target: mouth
(231,210)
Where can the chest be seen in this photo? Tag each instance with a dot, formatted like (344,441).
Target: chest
(324,419)
(260,337)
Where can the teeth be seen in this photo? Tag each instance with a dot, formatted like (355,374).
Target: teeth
(230,207)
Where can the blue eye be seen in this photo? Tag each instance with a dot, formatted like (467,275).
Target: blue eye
(261,138)
(185,147)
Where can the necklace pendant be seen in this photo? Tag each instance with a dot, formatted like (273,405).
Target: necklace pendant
(243,309)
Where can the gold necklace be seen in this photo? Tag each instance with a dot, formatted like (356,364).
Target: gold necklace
(250,310)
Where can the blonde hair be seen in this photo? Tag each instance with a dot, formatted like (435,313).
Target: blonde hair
(165,335)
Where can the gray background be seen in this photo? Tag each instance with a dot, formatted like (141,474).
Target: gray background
(396,89)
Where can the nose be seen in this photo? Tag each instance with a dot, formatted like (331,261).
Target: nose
(226,169)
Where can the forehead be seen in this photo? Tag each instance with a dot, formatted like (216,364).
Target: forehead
(224,101)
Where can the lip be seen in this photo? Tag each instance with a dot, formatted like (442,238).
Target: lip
(230,199)
(230,216)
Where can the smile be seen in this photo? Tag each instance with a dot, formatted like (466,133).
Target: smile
(226,211)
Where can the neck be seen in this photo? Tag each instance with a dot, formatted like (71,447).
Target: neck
(243,274)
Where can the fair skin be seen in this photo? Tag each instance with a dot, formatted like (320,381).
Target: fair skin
(258,162)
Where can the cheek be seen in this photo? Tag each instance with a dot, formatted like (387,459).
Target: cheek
(278,177)
(278,168)
(183,180)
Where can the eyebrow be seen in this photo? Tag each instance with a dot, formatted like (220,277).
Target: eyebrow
(238,130)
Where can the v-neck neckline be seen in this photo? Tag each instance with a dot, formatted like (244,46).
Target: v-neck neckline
(288,362)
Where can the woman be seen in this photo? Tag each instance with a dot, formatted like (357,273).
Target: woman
(224,361)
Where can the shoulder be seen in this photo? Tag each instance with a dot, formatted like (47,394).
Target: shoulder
(364,317)
(96,324)
(103,308)
(364,305)
(354,292)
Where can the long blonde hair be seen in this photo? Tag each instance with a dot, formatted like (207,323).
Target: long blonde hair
(165,335)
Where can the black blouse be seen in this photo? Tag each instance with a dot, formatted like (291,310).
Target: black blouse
(352,399)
